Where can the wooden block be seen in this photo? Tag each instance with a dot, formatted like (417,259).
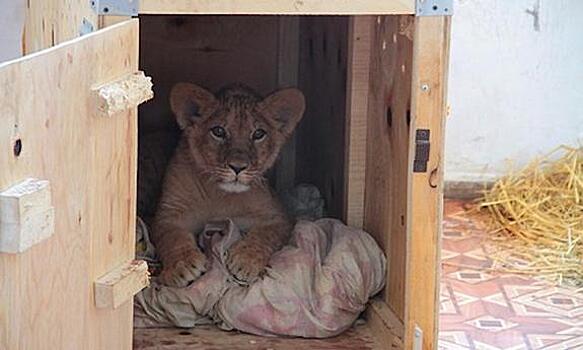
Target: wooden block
(121,284)
(123,94)
(26,215)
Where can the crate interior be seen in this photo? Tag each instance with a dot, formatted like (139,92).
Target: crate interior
(265,53)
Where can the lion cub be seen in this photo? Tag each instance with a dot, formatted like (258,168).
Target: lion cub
(228,142)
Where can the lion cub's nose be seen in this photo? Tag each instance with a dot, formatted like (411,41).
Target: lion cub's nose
(237,167)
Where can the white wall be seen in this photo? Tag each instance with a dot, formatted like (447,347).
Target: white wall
(11,27)
(516,86)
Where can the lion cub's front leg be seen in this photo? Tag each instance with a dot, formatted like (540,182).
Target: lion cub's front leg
(182,260)
(248,257)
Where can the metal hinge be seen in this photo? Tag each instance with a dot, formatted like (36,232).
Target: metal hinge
(116,7)
(422,148)
(86,27)
(434,8)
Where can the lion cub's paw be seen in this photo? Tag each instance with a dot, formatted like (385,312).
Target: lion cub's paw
(246,261)
(183,268)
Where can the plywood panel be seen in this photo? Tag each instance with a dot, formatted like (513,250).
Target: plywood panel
(321,134)
(385,211)
(286,7)
(50,22)
(429,92)
(46,293)
(212,51)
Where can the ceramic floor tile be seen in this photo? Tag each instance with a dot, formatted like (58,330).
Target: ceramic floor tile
(481,309)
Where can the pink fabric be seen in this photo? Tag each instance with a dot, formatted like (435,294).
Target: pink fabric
(315,287)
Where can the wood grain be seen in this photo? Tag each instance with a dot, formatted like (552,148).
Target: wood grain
(387,151)
(321,133)
(429,92)
(386,327)
(123,94)
(277,7)
(358,74)
(51,22)
(211,51)
(121,284)
(27,216)
(210,337)
(46,293)
(288,52)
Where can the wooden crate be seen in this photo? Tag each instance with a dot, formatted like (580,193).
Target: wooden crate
(388,88)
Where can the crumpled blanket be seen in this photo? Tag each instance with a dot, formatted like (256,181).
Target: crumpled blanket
(315,287)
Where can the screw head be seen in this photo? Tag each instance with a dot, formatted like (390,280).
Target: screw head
(424,87)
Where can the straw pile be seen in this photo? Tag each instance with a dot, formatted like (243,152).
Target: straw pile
(537,218)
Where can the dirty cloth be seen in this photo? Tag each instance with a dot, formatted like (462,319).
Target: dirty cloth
(315,287)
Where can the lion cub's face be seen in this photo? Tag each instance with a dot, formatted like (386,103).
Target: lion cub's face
(235,136)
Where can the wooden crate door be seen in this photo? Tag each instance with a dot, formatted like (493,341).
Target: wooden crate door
(425,195)
(46,292)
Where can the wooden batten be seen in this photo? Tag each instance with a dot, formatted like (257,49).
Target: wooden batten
(121,284)
(123,94)
(278,7)
(27,216)
(287,76)
(321,134)
(358,75)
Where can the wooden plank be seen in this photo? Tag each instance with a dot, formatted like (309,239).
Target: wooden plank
(46,293)
(277,7)
(359,50)
(385,211)
(209,337)
(121,284)
(321,134)
(429,92)
(288,50)
(50,22)
(27,216)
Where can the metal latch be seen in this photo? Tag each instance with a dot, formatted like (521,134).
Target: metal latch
(422,148)
(434,8)
(116,7)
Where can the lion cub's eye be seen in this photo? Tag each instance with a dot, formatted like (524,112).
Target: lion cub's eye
(219,132)
(258,135)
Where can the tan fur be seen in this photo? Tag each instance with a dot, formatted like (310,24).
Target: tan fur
(202,184)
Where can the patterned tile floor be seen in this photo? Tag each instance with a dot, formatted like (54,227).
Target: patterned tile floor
(486,310)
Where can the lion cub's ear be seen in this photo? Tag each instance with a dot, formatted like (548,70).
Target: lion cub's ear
(190,102)
(286,107)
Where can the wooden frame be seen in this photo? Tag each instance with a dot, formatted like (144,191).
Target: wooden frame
(277,7)
(396,84)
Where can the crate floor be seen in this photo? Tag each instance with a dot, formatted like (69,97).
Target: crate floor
(485,310)
(212,338)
